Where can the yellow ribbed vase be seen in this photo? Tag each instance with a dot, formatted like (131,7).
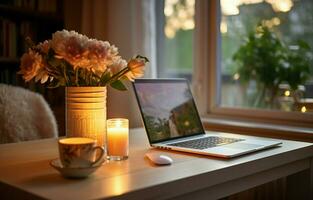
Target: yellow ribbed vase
(86,112)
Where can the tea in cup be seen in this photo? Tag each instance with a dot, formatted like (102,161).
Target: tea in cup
(78,152)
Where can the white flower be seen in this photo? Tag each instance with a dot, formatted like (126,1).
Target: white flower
(42,75)
(117,66)
(70,46)
(99,55)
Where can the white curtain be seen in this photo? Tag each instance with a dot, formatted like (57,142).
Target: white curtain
(131,28)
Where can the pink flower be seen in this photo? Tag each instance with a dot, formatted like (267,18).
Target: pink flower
(82,52)
(44,47)
(70,46)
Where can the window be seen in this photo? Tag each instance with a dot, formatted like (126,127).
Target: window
(257,71)
(175,21)
(206,54)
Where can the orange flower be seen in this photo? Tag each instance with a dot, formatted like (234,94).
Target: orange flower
(136,67)
(31,62)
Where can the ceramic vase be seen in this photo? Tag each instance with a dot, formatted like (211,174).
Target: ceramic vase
(86,112)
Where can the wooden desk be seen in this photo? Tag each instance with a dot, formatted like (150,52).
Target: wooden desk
(25,171)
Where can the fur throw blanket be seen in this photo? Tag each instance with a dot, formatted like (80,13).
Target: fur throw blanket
(24,115)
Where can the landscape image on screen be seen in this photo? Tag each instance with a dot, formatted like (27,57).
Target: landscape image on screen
(168,110)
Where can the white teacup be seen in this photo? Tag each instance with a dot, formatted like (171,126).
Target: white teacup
(78,152)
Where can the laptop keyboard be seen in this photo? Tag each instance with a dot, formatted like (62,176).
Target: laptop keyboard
(204,143)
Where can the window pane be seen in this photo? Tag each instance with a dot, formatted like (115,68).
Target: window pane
(267,54)
(175,35)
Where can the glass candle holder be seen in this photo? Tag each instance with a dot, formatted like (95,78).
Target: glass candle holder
(117,139)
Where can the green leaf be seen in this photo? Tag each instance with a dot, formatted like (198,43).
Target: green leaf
(56,83)
(304,45)
(77,77)
(54,62)
(118,85)
(105,77)
(143,58)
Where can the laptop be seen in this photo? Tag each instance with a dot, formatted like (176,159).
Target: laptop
(172,122)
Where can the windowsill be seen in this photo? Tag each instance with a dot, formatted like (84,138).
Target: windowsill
(259,129)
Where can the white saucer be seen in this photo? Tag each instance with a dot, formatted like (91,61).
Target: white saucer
(74,172)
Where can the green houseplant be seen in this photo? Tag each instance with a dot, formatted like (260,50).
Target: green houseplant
(266,60)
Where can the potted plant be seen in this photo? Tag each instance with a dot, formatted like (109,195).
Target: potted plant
(268,62)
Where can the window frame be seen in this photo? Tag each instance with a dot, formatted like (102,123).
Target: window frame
(206,79)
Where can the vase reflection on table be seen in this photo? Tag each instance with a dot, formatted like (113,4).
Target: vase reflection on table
(85,67)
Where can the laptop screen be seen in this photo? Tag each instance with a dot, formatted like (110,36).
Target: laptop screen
(167,108)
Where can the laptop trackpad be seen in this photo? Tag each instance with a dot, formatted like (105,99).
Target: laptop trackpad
(243,146)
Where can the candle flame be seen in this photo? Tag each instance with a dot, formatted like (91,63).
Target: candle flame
(118,124)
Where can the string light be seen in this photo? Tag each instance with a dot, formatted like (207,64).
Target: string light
(231,7)
(236,76)
(287,93)
(180,14)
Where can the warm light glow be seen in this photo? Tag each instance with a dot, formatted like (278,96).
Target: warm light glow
(303,109)
(287,93)
(281,5)
(223,27)
(168,11)
(272,22)
(231,7)
(186,123)
(117,137)
(179,15)
(169,32)
(236,76)
(182,14)
(251,1)
(118,123)
(188,25)
(77,140)
(276,21)
(118,185)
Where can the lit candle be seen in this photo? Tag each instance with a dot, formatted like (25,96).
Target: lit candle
(117,139)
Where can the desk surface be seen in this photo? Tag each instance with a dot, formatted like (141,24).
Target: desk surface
(25,169)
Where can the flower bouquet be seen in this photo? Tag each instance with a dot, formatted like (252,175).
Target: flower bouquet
(85,66)
(72,59)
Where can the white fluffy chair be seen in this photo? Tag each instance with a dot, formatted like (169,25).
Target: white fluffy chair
(24,115)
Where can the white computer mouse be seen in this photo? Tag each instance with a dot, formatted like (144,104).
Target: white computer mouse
(159,158)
